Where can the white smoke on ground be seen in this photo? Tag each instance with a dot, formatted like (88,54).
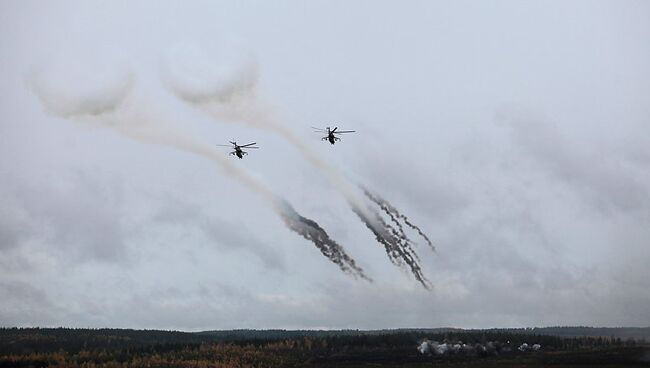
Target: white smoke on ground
(526,347)
(226,89)
(110,102)
(490,348)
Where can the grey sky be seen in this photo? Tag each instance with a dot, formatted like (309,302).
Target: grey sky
(515,133)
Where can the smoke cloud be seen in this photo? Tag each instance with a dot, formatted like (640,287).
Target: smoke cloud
(490,348)
(228,92)
(111,103)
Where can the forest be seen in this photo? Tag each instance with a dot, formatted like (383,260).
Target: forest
(567,346)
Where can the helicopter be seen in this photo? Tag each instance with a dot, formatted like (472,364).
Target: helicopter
(238,150)
(331,137)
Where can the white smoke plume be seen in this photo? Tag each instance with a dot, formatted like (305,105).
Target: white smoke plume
(526,347)
(490,348)
(226,90)
(109,102)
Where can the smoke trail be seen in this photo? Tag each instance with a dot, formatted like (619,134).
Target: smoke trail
(399,231)
(394,214)
(109,107)
(310,230)
(398,248)
(230,94)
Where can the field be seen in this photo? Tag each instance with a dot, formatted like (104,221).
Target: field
(278,348)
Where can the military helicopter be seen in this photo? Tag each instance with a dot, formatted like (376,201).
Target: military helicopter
(238,151)
(331,137)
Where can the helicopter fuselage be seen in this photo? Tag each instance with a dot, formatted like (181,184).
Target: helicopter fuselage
(238,152)
(331,137)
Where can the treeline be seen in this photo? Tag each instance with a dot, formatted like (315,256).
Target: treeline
(28,340)
(62,347)
(203,355)
(637,333)
(40,340)
(72,340)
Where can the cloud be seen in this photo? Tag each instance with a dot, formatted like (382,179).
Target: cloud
(444,198)
(540,218)
(601,176)
(80,219)
(14,226)
(226,235)
(25,305)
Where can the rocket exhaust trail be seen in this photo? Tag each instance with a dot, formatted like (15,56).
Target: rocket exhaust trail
(397,248)
(394,214)
(399,231)
(310,230)
(108,109)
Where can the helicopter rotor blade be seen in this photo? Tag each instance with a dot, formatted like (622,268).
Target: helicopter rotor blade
(334,130)
(344,131)
(246,145)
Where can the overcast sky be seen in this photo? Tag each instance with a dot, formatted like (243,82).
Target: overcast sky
(515,133)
